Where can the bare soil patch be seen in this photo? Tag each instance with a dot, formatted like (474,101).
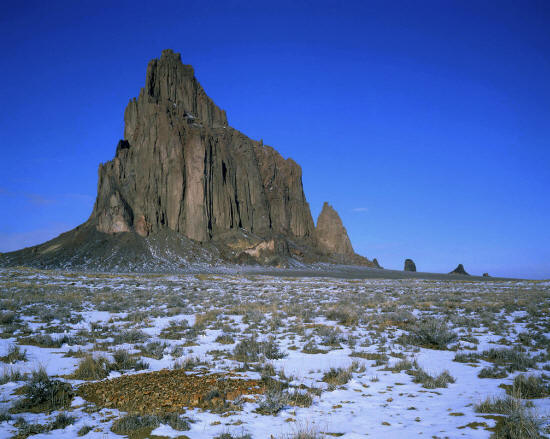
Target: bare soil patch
(170,391)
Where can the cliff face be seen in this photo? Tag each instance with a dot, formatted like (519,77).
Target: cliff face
(181,166)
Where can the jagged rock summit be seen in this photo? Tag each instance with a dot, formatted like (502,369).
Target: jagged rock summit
(459,270)
(184,187)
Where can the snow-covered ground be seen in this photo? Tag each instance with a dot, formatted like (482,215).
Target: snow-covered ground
(304,327)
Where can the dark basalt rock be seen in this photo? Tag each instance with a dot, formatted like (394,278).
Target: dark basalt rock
(182,171)
(409,265)
(459,270)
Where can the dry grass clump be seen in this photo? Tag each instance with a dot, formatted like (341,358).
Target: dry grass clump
(97,368)
(492,372)
(337,376)
(514,359)
(430,333)
(225,339)
(90,368)
(14,354)
(272,402)
(250,350)
(11,375)
(518,422)
(25,429)
(154,349)
(432,381)
(531,386)
(132,423)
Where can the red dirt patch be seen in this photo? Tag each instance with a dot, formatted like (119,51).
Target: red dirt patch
(169,391)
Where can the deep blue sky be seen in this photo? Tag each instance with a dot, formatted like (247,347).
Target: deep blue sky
(425,123)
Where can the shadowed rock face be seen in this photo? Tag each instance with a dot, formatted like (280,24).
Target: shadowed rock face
(409,265)
(459,270)
(185,187)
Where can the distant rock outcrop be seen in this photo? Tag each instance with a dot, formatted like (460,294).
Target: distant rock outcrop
(459,270)
(409,265)
(333,239)
(376,264)
(182,171)
(331,233)
(486,275)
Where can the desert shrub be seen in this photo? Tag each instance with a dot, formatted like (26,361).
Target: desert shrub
(154,349)
(299,399)
(432,381)
(225,339)
(272,402)
(518,422)
(404,364)
(130,336)
(8,318)
(11,375)
(466,357)
(344,315)
(84,430)
(4,416)
(122,360)
(498,405)
(379,357)
(430,333)
(492,372)
(270,349)
(14,354)
(47,341)
(44,394)
(61,421)
(312,348)
(247,350)
(25,429)
(530,386)
(512,359)
(187,363)
(90,368)
(330,336)
(337,376)
(131,423)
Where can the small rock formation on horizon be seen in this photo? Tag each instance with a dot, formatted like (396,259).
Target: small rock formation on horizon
(486,275)
(186,187)
(459,270)
(409,265)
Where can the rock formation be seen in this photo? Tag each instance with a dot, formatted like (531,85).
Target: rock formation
(333,239)
(409,265)
(459,270)
(331,233)
(182,173)
(486,275)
